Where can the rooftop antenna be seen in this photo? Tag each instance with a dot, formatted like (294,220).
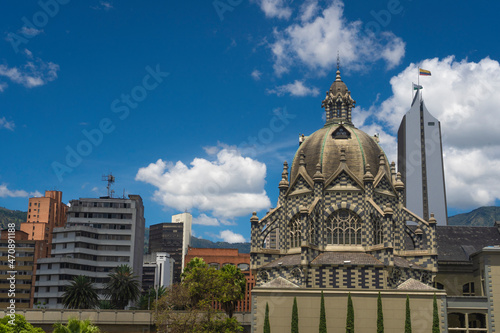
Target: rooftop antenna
(338,60)
(110,179)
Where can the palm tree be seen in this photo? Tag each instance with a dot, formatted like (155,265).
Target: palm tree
(80,294)
(76,326)
(123,287)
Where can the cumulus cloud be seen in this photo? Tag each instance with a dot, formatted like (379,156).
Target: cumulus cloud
(231,237)
(275,8)
(462,95)
(30,32)
(314,40)
(34,73)
(229,186)
(203,219)
(5,192)
(7,124)
(297,88)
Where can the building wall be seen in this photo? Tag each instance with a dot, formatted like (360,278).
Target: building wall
(365,310)
(168,237)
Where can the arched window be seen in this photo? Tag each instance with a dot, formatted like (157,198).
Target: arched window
(378,232)
(295,231)
(468,289)
(344,228)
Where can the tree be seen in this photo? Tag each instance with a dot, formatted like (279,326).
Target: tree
(123,287)
(233,288)
(80,294)
(147,300)
(267,324)
(349,326)
(322,315)
(20,325)
(435,316)
(188,306)
(380,315)
(295,316)
(76,326)
(408,316)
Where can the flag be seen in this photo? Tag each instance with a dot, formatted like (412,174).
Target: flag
(417,87)
(424,72)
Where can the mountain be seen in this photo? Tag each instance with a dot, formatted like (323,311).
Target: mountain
(480,217)
(204,243)
(11,216)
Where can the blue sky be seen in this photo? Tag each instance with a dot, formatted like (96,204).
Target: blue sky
(195,105)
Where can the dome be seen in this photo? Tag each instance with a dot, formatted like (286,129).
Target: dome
(325,146)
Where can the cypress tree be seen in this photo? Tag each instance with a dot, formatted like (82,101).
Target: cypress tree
(267,325)
(295,316)
(349,326)
(380,315)
(322,315)
(408,316)
(435,316)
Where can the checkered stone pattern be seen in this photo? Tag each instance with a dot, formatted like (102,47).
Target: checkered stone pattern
(258,260)
(350,277)
(334,197)
(384,185)
(399,275)
(428,262)
(384,255)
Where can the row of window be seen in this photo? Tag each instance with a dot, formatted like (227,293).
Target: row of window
(100,204)
(242,267)
(102,226)
(102,247)
(102,216)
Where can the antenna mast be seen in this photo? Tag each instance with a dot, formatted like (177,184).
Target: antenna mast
(110,179)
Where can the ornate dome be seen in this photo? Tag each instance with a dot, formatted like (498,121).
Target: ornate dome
(339,140)
(326,146)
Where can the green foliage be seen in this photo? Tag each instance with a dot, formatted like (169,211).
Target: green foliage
(11,216)
(380,315)
(123,287)
(20,325)
(295,316)
(105,305)
(322,315)
(267,324)
(147,300)
(76,326)
(349,325)
(435,316)
(188,306)
(80,294)
(408,316)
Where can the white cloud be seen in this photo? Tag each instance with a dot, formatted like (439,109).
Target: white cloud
(231,237)
(30,32)
(7,124)
(315,39)
(33,74)
(462,95)
(3,85)
(203,219)
(297,88)
(256,74)
(103,5)
(5,192)
(275,9)
(228,187)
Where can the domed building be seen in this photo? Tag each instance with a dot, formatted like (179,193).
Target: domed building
(340,224)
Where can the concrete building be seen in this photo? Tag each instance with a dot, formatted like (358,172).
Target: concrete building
(173,238)
(158,270)
(26,254)
(100,235)
(44,214)
(420,161)
(218,258)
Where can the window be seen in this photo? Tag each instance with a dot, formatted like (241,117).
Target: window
(467,322)
(244,267)
(344,228)
(214,265)
(295,231)
(378,231)
(438,285)
(431,123)
(468,289)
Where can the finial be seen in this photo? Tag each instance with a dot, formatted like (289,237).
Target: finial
(338,68)
(318,176)
(399,185)
(382,159)
(368,175)
(254,218)
(432,220)
(284,176)
(302,161)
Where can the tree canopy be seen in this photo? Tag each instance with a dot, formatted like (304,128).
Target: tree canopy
(80,294)
(123,287)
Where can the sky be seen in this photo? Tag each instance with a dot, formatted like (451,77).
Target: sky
(195,105)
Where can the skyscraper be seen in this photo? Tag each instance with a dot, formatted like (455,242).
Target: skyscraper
(420,161)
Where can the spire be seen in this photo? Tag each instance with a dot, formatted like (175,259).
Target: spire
(338,102)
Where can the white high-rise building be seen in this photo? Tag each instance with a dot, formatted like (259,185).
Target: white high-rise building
(100,234)
(420,161)
(187,220)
